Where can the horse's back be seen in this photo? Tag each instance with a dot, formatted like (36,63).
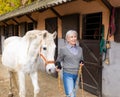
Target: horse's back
(9,52)
(10,40)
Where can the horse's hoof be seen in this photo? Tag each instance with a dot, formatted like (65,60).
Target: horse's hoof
(10,95)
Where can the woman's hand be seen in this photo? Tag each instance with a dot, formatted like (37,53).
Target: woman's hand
(81,63)
(58,66)
(57,69)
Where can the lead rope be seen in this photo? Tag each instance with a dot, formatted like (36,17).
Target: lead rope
(79,76)
(59,83)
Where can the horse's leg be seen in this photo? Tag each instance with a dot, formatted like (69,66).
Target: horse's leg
(21,78)
(34,78)
(10,84)
(14,80)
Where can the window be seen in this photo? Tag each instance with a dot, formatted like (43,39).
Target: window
(30,26)
(23,28)
(92,26)
(16,30)
(51,24)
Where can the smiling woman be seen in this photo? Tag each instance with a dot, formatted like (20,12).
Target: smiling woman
(71,37)
(70,55)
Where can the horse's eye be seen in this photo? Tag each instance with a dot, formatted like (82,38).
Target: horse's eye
(44,48)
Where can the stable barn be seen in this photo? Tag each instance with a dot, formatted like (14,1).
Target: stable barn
(90,18)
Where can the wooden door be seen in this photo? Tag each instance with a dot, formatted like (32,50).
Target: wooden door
(51,24)
(92,70)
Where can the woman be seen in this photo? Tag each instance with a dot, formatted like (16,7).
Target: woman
(70,55)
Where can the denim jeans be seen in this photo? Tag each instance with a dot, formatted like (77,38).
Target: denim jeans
(69,81)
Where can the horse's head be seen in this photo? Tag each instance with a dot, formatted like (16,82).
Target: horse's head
(43,42)
(47,51)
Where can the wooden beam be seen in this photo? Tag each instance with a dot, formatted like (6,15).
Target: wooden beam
(5,23)
(15,21)
(30,18)
(54,11)
(109,6)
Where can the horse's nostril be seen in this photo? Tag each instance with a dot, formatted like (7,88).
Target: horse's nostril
(49,70)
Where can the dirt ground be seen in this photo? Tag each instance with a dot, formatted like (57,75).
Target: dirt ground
(48,86)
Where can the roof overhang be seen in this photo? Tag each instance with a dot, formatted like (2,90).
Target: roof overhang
(35,6)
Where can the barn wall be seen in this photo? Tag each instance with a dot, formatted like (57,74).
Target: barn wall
(78,6)
(111,73)
(23,19)
(40,18)
(85,8)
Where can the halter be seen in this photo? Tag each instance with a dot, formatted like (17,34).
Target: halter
(45,60)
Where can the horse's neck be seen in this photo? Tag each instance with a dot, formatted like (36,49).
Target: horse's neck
(33,51)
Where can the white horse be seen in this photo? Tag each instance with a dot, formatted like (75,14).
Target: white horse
(27,54)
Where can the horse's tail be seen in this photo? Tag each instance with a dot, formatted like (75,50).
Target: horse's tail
(13,80)
(2,42)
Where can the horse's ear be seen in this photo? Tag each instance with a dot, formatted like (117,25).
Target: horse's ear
(30,35)
(54,34)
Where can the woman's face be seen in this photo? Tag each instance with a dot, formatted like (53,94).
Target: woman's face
(72,39)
